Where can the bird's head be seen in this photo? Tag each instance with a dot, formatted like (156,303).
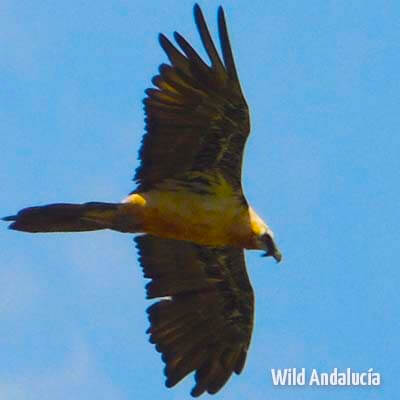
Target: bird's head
(266,242)
(263,237)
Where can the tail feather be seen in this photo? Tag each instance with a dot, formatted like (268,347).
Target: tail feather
(64,217)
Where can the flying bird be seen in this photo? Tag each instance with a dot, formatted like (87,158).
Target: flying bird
(190,210)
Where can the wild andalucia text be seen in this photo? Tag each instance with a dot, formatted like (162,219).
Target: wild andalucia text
(336,377)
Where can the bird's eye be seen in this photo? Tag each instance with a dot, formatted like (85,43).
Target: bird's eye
(267,239)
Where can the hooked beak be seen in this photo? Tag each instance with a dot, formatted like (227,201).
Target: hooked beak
(276,254)
(266,242)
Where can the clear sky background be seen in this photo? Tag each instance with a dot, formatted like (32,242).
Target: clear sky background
(322,167)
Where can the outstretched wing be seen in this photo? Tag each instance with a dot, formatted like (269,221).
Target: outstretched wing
(205,322)
(197,118)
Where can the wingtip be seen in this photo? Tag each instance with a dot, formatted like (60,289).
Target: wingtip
(197,13)
(177,35)
(221,14)
(180,39)
(162,39)
(196,391)
(197,9)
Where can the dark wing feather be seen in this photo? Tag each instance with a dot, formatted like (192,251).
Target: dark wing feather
(197,118)
(205,324)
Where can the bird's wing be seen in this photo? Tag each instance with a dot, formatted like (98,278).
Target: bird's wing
(197,118)
(204,323)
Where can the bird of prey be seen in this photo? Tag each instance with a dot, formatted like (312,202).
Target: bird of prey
(191,212)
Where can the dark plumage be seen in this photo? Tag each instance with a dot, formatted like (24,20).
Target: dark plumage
(205,326)
(197,118)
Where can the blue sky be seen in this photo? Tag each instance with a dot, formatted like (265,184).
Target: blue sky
(322,167)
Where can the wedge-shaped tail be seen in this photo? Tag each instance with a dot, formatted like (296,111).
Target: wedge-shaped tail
(63,217)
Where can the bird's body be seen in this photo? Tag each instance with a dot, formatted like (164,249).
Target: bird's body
(190,206)
(212,217)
